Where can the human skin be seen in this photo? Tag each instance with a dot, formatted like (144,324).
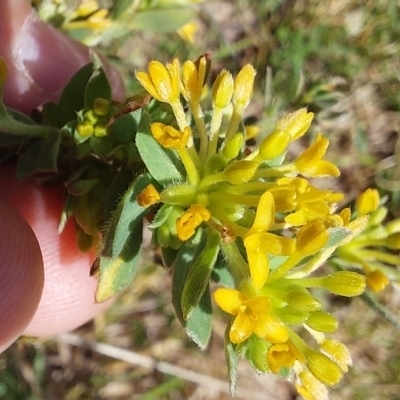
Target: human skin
(40,60)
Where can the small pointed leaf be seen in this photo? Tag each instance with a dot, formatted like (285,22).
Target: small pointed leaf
(199,274)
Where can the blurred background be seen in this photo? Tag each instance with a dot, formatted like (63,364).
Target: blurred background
(339,58)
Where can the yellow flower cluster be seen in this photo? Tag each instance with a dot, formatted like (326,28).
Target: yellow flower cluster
(374,249)
(275,226)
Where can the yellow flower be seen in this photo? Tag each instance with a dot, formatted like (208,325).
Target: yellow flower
(310,162)
(307,202)
(367,202)
(260,244)
(169,137)
(309,387)
(162,81)
(148,196)
(252,316)
(190,220)
(193,78)
(281,355)
(312,237)
(338,352)
(274,144)
(243,87)
(377,281)
(222,89)
(296,123)
(188,31)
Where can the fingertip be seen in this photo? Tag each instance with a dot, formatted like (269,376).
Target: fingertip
(21,275)
(68,295)
(41,60)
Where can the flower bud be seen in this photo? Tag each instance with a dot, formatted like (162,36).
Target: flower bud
(377,281)
(280,355)
(101,106)
(296,123)
(310,388)
(312,237)
(345,283)
(90,116)
(274,144)
(148,196)
(322,321)
(324,369)
(393,226)
(393,241)
(222,90)
(240,171)
(367,202)
(377,217)
(85,128)
(100,131)
(243,88)
(299,298)
(233,147)
(337,352)
(179,195)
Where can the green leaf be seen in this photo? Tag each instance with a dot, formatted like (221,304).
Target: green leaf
(117,273)
(161,20)
(119,185)
(126,216)
(101,146)
(199,274)
(119,7)
(336,236)
(121,253)
(71,100)
(168,256)
(198,326)
(123,128)
(256,353)
(221,273)
(232,360)
(41,156)
(82,186)
(97,86)
(163,164)
(161,216)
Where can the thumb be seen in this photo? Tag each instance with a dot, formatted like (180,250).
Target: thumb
(40,59)
(21,275)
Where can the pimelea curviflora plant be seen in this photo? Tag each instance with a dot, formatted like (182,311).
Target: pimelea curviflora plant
(242,227)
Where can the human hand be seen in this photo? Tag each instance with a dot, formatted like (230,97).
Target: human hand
(40,61)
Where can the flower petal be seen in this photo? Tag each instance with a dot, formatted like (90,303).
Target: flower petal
(229,300)
(241,328)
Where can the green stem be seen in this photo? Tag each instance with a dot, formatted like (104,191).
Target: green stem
(381,310)
(251,187)
(191,170)
(214,131)
(378,255)
(210,180)
(286,266)
(201,129)
(248,200)
(237,265)
(179,115)
(233,125)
